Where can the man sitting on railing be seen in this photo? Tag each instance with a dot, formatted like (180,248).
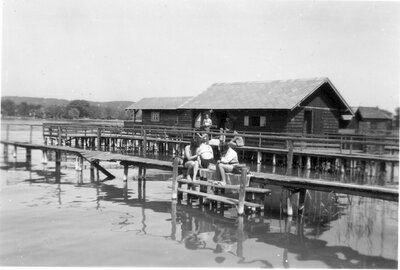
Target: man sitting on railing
(228,159)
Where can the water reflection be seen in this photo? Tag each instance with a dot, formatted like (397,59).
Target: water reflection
(340,231)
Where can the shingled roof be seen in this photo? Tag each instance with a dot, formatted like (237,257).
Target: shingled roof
(280,94)
(158,103)
(372,113)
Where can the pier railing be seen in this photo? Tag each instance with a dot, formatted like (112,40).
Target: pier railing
(327,142)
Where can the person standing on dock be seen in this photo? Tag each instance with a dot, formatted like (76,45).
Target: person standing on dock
(190,158)
(228,159)
(228,124)
(207,122)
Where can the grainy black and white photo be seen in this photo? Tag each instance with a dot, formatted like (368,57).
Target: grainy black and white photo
(200,134)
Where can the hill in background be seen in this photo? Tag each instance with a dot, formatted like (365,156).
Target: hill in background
(62,108)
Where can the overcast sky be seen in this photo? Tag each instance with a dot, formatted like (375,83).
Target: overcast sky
(105,50)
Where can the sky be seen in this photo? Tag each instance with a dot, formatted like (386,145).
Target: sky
(108,50)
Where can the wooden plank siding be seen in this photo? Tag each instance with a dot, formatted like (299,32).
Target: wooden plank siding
(181,118)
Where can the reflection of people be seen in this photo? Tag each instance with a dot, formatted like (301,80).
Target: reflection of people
(225,238)
(207,122)
(236,140)
(225,165)
(190,157)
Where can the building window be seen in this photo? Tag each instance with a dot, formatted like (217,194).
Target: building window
(155,117)
(255,121)
(246,120)
(263,121)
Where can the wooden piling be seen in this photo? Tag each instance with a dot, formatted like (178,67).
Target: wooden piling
(28,155)
(126,172)
(58,160)
(99,139)
(308,165)
(44,157)
(91,173)
(343,166)
(302,199)
(97,174)
(289,207)
(259,157)
(173,220)
(80,170)
(300,161)
(140,173)
(30,133)
(175,180)
(289,154)
(59,136)
(392,172)
(240,236)
(144,143)
(242,191)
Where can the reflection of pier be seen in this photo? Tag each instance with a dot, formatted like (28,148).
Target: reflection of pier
(227,238)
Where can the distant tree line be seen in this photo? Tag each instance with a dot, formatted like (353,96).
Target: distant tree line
(75,109)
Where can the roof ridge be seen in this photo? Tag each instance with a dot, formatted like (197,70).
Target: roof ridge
(270,81)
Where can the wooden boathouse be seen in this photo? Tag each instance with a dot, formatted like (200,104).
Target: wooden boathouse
(160,111)
(301,106)
(370,120)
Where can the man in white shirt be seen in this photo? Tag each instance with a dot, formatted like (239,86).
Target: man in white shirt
(228,159)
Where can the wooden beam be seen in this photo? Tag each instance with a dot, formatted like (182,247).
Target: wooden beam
(100,168)
(328,186)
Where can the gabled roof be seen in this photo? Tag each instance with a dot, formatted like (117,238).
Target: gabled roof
(279,94)
(158,103)
(372,113)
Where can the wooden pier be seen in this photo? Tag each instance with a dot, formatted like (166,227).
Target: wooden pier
(289,183)
(320,152)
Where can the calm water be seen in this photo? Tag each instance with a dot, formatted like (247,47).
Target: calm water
(112,224)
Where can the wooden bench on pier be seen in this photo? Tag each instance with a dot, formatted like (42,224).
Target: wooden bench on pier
(252,197)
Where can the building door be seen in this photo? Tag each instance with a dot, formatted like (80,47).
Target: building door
(307,123)
(318,121)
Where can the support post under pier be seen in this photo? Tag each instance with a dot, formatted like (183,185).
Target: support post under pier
(175,180)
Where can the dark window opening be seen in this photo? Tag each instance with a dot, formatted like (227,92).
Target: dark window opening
(255,121)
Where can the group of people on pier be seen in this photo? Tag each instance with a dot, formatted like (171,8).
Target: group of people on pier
(199,154)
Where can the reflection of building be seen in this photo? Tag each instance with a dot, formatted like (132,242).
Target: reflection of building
(288,106)
(370,120)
